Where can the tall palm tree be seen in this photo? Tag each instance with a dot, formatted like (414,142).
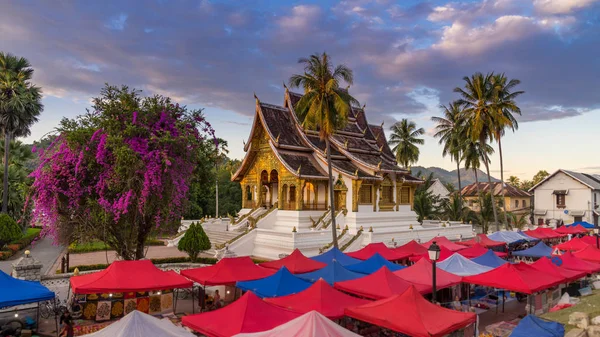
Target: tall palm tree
(473,153)
(405,139)
(514,181)
(20,105)
(325,105)
(449,129)
(504,108)
(478,98)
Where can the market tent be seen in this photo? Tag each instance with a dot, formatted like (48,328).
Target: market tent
(590,239)
(311,324)
(373,264)
(539,250)
(337,255)
(418,318)
(279,284)
(476,251)
(444,254)
(527,237)
(483,240)
(579,229)
(572,245)
(489,259)
(421,273)
(248,314)
(546,266)
(334,272)
(584,224)
(381,249)
(379,285)
(521,278)
(128,276)
(413,248)
(139,324)
(443,241)
(543,233)
(535,326)
(16,292)
(569,261)
(296,263)
(320,297)
(509,237)
(461,266)
(228,271)
(589,253)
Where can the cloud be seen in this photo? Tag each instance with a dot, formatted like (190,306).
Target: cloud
(561,6)
(117,22)
(301,18)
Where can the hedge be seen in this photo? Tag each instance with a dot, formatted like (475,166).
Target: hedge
(98,246)
(17,245)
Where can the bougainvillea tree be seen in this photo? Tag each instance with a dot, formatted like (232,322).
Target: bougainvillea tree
(119,172)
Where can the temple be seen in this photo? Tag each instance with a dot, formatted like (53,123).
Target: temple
(284,184)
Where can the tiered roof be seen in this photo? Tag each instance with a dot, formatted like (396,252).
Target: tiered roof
(359,150)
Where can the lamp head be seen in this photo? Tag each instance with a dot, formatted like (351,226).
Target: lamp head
(434,251)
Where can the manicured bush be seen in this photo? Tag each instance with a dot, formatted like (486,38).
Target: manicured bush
(9,230)
(194,241)
(97,246)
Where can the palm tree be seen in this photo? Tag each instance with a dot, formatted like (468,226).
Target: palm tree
(449,129)
(404,138)
(19,154)
(20,106)
(504,108)
(472,154)
(514,181)
(325,105)
(453,209)
(478,98)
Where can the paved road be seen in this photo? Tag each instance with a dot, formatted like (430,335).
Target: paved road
(43,250)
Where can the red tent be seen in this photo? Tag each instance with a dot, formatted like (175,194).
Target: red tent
(546,266)
(296,263)
(572,245)
(379,285)
(543,233)
(421,273)
(320,297)
(476,251)
(248,314)
(589,239)
(589,253)
(483,240)
(410,314)
(444,254)
(510,277)
(413,248)
(369,250)
(443,241)
(228,271)
(569,261)
(128,276)
(579,229)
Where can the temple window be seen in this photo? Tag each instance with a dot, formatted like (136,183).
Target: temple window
(292,193)
(405,195)
(248,193)
(366,194)
(387,194)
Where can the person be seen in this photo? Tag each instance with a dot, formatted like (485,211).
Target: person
(217,299)
(456,305)
(66,316)
(67,330)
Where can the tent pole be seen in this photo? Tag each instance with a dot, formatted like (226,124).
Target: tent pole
(202,300)
(37,319)
(176,292)
(55,317)
(497,304)
(193,300)
(503,299)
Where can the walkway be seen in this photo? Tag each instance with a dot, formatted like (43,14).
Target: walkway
(154,252)
(43,250)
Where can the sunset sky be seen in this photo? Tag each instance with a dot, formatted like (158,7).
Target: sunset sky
(407,57)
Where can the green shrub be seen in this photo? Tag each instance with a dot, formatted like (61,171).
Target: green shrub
(9,230)
(203,260)
(98,246)
(194,241)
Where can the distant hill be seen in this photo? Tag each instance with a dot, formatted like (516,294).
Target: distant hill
(467,177)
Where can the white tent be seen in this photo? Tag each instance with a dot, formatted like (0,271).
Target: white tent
(461,266)
(311,324)
(138,324)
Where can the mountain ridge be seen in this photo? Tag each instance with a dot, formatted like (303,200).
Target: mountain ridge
(467,177)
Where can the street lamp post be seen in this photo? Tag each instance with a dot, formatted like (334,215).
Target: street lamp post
(597,231)
(434,255)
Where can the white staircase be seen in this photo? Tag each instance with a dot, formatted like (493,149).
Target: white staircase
(218,237)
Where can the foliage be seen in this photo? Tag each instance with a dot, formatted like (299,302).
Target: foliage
(97,246)
(9,229)
(405,139)
(194,241)
(325,106)
(485,214)
(119,172)
(425,203)
(538,177)
(452,208)
(514,181)
(30,236)
(518,221)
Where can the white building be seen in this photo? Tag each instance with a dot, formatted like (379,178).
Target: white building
(567,196)
(438,189)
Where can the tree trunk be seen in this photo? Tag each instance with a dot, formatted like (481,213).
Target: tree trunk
(483,226)
(502,181)
(487,168)
(140,244)
(459,185)
(331,194)
(5,181)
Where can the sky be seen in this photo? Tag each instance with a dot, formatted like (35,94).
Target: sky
(407,57)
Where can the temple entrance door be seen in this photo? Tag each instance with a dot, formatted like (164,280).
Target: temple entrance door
(337,197)
(263,192)
(273,187)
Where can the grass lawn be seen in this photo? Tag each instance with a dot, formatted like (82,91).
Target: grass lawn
(589,304)
(96,246)
(32,231)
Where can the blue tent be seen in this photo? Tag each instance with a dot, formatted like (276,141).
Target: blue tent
(334,272)
(534,326)
(489,259)
(539,250)
(583,223)
(510,237)
(16,292)
(373,264)
(337,255)
(281,283)
(527,237)
(461,266)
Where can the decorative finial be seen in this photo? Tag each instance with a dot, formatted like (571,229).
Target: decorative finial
(244,142)
(346,144)
(285,86)
(364,106)
(356,172)
(382,124)
(364,131)
(298,171)
(377,136)
(379,165)
(27,253)
(256,98)
(277,139)
(381,148)
(76,272)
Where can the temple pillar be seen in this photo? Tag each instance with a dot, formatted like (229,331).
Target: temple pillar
(412,197)
(375,196)
(300,194)
(355,190)
(280,197)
